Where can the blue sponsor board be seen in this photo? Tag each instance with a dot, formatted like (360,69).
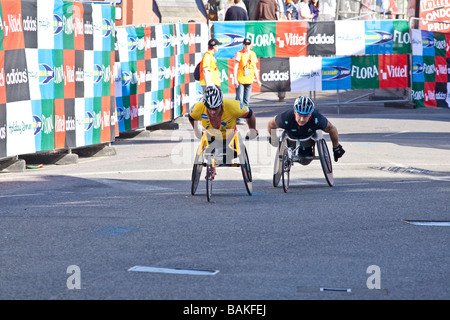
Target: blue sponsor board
(88,120)
(107,28)
(46,73)
(231,35)
(417,69)
(98,73)
(58,25)
(428,42)
(336,73)
(37,123)
(379,37)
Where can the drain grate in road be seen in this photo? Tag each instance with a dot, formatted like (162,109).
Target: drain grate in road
(195,272)
(403,170)
(429,223)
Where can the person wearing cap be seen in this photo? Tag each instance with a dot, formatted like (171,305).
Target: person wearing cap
(209,75)
(244,73)
(301,122)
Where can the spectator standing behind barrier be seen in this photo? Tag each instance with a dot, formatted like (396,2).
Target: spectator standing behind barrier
(238,3)
(244,73)
(304,12)
(251,7)
(209,75)
(266,10)
(281,12)
(292,9)
(314,8)
(236,12)
(212,7)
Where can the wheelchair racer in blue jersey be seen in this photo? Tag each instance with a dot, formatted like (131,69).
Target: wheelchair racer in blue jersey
(301,122)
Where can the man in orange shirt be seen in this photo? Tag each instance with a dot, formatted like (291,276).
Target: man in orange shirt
(244,72)
(209,75)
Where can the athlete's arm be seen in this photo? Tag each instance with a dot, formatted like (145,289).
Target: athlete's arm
(251,122)
(271,127)
(333,132)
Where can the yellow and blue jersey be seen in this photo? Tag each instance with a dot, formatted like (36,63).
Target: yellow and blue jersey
(232,110)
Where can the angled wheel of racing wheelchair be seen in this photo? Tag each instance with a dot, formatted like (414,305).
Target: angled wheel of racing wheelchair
(196,172)
(245,166)
(325,159)
(277,166)
(286,163)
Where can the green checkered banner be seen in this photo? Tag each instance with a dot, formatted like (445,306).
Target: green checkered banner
(56,84)
(154,72)
(430,69)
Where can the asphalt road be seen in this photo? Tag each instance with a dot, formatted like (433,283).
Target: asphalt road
(75,231)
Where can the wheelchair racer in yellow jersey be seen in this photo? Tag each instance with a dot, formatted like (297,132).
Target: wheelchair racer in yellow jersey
(218,116)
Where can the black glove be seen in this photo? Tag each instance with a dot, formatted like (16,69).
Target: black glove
(338,152)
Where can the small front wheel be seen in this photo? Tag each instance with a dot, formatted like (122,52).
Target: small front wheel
(286,164)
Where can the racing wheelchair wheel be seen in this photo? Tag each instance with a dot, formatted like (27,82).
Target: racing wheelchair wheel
(286,164)
(196,172)
(247,172)
(325,161)
(209,181)
(277,166)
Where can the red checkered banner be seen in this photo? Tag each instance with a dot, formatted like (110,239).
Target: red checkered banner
(56,84)
(154,72)
(430,68)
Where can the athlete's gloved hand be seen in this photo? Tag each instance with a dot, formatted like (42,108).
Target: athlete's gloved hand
(251,134)
(273,141)
(338,152)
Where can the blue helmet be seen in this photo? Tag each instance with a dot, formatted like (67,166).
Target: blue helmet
(303,105)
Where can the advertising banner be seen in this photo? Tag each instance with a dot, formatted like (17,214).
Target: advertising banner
(291,38)
(430,65)
(50,74)
(438,11)
(322,38)
(336,73)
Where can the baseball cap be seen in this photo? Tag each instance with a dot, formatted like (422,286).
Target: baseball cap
(247,41)
(214,42)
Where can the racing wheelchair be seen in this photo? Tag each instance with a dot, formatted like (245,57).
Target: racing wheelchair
(290,151)
(212,155)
